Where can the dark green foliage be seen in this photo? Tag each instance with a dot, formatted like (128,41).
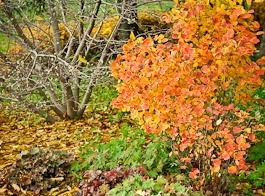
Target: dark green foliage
(257,177)
(132,150)
(102,96)
(254,180)
(39,170)
(257,152)
(148,186)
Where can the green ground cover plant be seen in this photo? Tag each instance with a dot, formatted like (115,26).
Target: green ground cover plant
(134,163)
(131,150)
(4,43)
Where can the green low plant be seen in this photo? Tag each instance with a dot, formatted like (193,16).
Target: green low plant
(102,96)
(131,150)
(257,151)
(257,177)
(137,185)
(4,43)
(253,180)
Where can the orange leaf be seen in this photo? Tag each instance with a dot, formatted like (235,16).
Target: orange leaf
(225,155)
(185,159)
(194,173)
(232,169)
(215,169)
(205,69)
(245,16)
(260,33)
(260,72)
(204,80)
(183,167)
(261,61)
(242,165)
(209,152)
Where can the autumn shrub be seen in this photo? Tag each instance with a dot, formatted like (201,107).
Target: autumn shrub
(189,84)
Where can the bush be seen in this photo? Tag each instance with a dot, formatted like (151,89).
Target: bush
(188,84)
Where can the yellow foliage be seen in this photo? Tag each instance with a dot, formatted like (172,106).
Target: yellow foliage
(41,36)
(41,33)
(132,36)
(82,59)
(107,27)
(144,18)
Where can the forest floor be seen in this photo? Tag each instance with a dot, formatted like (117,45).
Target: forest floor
(20,131)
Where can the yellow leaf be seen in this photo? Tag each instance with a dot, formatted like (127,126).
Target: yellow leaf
(82,59)
(260,192)
(132,36)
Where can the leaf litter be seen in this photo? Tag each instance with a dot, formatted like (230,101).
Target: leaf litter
(21,131)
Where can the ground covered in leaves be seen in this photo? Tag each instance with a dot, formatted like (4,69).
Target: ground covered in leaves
(29,157)
(21,131)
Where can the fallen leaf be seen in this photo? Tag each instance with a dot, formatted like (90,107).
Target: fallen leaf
(16,187)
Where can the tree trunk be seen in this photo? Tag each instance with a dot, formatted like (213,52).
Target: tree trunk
(128,9)
(262,44)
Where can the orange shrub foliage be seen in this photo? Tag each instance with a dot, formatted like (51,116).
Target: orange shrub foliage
(186,84)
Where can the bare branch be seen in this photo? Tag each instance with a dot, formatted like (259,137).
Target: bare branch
(55,26)
(95,73)
(88,31)
(16,25)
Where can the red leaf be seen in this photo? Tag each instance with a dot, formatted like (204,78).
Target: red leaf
(252,137)
(237,129)
(217,162)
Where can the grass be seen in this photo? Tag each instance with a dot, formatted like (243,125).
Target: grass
(163,6)
(4,43)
